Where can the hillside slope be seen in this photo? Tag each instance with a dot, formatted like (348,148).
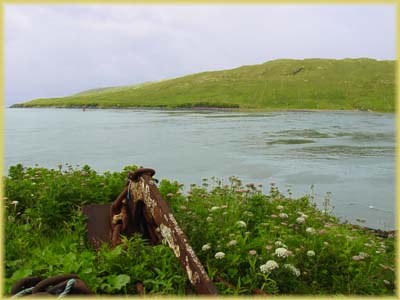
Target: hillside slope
(364,84)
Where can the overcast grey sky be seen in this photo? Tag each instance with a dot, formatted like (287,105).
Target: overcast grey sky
(58,50)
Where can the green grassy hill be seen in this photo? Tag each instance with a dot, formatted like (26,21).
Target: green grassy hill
(348,84)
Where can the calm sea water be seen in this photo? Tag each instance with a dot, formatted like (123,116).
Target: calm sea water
(348,154)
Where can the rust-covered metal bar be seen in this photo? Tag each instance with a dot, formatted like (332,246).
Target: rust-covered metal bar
(163,226)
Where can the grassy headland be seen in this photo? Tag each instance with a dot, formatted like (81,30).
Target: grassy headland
(248,241)
(346,84)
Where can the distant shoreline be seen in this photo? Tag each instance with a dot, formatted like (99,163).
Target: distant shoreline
(197,108)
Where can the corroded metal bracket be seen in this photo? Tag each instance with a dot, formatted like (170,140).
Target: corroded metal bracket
(140,208)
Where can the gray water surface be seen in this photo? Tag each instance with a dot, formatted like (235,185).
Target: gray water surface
(348,154)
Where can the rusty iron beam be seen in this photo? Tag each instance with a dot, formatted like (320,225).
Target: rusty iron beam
(162,225)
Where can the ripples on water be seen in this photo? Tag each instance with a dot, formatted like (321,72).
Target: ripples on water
(348,154)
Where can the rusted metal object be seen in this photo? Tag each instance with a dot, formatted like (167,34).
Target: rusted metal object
(50,286)
(163,225)
(140,208)
(98,224)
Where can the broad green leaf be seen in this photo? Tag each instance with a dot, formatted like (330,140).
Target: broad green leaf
(118,282)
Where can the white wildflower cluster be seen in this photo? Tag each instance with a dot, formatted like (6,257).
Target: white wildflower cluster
(209,219)
(214,208)
(279,207)
(219,255)
(310,253)
(282,252)
(241,224)
(283,216)
(360,256)
(310,230)
(232,243)
(280,244)
(206,247)
(300,220)
(253,252)
(302,215)
(269,266)
(292,269)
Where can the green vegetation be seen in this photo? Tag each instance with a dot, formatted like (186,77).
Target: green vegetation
(267,242)
(347,84)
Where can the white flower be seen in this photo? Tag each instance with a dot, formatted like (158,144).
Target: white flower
(206,247)
(292,269)
(310,230)
(386,281)
(269,266)
(363,254)
(280,244)
(232,243)
(282,252)
(219,255)
(310,253)
(253,252)
(15,202)
(300,220)
(241,224)
(283,216)
(280,207)
(214,208)
(209,219)
(303,215)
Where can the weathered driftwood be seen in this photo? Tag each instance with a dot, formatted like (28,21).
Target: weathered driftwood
(140,208)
